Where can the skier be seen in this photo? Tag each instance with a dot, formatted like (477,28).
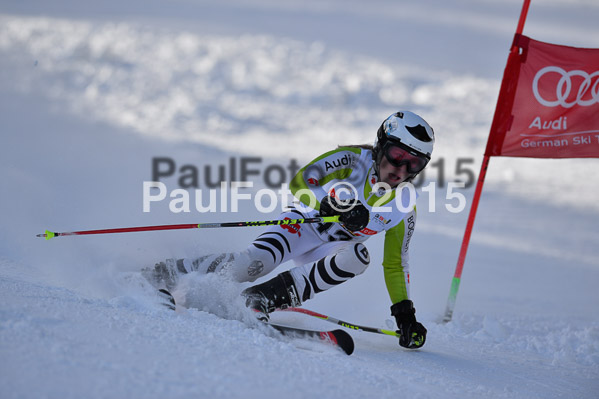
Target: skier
(358,183)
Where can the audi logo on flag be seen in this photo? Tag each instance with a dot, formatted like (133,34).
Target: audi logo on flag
(583,91)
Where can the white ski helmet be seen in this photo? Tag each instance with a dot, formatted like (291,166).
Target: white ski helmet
(411,133)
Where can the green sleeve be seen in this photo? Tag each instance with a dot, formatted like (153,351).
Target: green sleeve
(395,259)
(307,184)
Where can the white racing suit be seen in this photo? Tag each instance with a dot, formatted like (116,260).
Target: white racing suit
(326,255)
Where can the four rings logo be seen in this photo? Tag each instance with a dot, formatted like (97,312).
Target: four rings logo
(567,86)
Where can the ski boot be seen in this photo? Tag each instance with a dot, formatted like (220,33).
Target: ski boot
(165,274)
(277,293)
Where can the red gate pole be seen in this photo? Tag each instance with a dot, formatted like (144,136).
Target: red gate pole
(455,283)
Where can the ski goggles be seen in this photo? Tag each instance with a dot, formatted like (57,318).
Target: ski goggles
(399,155)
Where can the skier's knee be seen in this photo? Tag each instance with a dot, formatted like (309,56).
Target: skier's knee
(330,271)
(353,259)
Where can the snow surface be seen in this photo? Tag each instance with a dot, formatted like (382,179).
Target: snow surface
(92,91)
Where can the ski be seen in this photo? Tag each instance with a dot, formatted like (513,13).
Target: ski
(337,338)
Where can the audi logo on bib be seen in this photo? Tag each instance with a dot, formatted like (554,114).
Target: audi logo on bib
(573,88)
(549,103)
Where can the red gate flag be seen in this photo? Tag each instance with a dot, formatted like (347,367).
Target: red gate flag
(548,104)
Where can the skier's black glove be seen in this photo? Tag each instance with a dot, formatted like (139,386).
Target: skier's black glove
(352,213)
(413,334)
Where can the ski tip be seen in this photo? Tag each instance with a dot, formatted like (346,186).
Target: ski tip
(344,341)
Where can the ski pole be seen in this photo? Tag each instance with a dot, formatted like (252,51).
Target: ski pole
(326,219)
(343,323)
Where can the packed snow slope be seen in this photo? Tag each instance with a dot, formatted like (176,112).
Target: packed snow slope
(91,92)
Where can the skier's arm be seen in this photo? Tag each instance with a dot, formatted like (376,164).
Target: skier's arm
(395,260)
(307,185)
(397,278)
